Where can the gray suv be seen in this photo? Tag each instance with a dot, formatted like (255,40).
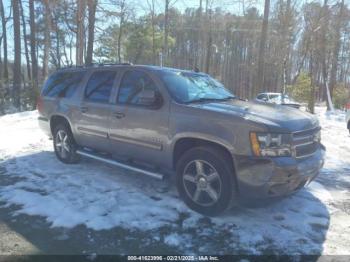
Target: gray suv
(162,121)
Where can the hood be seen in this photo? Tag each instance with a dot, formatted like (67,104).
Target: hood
(277,118)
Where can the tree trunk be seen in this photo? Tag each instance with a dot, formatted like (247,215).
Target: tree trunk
(58,46)
(17,55)
(323,53)
(336,49)
(90,45)
(32,45)
(198,37)
(47,38)
(311,103)
(26,51)
(261,58)
(166,31)
(209,48)
(120,34)
(121,25)
(286,43)
(4,35)
(210,39)
(152,7)
(80,32)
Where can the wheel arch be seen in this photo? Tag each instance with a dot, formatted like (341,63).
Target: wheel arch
(57,119)
(185,143)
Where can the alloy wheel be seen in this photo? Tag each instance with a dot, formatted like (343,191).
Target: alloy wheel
(202,182)
(62,144)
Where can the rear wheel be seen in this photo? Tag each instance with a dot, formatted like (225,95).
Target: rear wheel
(64,145)
(205,180)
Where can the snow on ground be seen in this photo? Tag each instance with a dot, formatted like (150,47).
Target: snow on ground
(313,221)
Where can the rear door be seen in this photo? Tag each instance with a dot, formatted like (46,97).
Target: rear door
(139,132)
(92,117)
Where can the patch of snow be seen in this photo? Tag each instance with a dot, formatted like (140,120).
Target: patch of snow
(103,197)
(173,239)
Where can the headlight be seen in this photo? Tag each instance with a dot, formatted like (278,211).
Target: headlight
(266,144)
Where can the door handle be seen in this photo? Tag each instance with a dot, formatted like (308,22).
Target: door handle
(84,109)
(118,115)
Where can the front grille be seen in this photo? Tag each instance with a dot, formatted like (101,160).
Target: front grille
(306,142)
(306,150)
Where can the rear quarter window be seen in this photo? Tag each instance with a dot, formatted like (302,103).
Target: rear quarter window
(62,84)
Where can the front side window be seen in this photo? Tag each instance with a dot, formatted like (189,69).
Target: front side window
(192,87)
(262,97)
(62,84)
(133,83)
(99,86)
(274,96)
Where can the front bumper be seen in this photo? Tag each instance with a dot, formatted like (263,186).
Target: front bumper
(274,177)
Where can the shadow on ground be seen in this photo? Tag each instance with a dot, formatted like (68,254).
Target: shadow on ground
(93,208)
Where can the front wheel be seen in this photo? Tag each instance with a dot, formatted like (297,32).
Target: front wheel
(205,180)
(64,145)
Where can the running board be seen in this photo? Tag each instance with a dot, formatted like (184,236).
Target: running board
(118,164)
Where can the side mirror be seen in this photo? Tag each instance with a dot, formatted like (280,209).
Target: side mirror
(147,98)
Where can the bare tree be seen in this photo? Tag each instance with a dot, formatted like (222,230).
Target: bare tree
(166,30)
(80,32)
(17,61)
(261,59)
(122,18)
(198,36)
(151,6)
(33,45)
(4,36)
(336,48)
(25,40)
(47,38)
(210,41)
(323,47)
(91,26)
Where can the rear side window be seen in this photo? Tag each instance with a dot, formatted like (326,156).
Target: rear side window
(132,84)
(62,84)
(99,86)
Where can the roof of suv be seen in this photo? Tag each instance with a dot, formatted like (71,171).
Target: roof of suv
(148,67)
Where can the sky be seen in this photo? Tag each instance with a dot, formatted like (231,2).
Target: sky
(141,7)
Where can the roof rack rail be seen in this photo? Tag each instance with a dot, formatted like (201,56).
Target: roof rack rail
(124,63)
(93,65)
(72,66)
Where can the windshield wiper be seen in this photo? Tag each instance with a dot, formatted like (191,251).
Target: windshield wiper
(207,99)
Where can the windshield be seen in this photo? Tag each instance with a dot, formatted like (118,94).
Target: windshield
(277,98)
(192,87)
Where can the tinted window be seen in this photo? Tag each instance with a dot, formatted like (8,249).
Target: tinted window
(99,86)
(262,96)
(274,96)
(62,84)
(132,84)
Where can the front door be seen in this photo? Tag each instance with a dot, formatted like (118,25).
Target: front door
(92,120)
(139,132)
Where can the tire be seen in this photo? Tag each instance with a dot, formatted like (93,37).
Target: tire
(64,145)
(201,170)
